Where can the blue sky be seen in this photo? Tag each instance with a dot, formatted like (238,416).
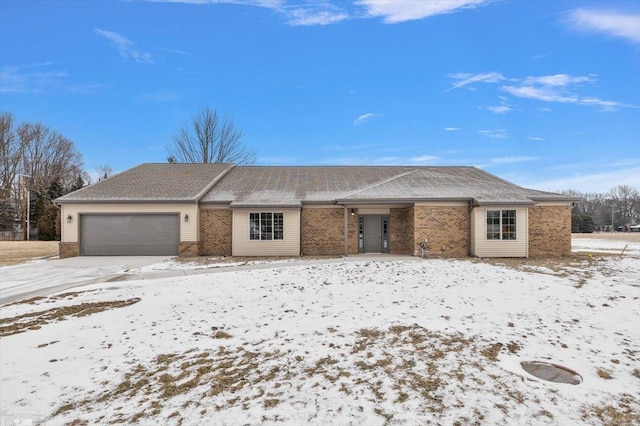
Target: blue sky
(545,94)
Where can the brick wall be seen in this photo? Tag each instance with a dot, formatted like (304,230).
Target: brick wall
(215,232)
(188,248)
(549,231)
(401,239)
(323,231)
(446,228)
(68,250)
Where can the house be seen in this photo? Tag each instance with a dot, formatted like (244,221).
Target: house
(225,209)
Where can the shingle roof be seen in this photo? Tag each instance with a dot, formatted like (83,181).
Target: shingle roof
(152,182)
(255,185)
(292,186)
(449,183)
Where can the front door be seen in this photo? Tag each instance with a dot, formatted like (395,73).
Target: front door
(372,234)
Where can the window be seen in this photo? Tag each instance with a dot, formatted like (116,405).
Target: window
(266,226)
(501,224)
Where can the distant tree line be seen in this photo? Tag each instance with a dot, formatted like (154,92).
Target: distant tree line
(37,164)
(619,207)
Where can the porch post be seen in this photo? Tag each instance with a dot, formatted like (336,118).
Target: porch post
(346,222)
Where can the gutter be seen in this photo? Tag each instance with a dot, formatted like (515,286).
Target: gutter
(266,206)
(346,232)
(344,201)
(127,201)
(469,230)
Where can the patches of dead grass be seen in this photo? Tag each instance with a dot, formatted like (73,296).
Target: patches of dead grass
(408,365)
(577,267)
(35,320)
(625,411)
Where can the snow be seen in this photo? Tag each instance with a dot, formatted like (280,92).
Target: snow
(630,246)
(349,342)
(45,276)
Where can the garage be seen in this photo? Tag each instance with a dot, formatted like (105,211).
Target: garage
(129,234)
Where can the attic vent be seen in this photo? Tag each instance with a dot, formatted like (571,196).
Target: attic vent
(551,372)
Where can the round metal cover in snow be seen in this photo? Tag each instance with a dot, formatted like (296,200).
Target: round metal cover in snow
(551,372)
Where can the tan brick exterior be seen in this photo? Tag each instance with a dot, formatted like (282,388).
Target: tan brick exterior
(68,250)
(549,231)
(401,237)
(188,248)
(323,231)
(446,228)
(215,232)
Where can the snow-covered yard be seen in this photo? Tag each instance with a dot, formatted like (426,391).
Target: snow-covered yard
(366,342)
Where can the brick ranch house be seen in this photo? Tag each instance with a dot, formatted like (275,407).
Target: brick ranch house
(224,209)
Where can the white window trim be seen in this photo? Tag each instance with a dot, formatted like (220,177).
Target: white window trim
(500,225)
(273,231)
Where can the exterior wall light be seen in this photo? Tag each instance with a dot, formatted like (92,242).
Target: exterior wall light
(69,218)
(186,218)
(353,212)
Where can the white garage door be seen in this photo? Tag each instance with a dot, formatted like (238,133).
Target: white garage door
(129,234)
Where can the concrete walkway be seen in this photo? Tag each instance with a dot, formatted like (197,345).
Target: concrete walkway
(44,277)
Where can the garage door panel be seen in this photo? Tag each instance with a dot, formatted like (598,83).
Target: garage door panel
(129,235)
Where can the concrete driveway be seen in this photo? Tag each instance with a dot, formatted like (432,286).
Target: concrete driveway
(42,277)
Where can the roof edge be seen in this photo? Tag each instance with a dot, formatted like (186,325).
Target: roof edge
(265,206)
(127,201)
(343,201)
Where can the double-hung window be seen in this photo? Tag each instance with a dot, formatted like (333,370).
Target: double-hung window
(501,224)
(266,226)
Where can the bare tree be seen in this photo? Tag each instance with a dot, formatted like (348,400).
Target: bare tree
(11,155)
(209,139)
(42,158)
(625,198)
(49,156)
(104,172)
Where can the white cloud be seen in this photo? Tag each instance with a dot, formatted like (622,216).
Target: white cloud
(423,159)
(452,129)
(303,14)
(559,80)
(615,24)
(393,11)
(42,78)
(546,94)
(500,109)
(325,12)
(28,80)
(307,17)
(536,138)
(175,51)
(361,119)
(85,88)
(494,134)
(465,79)
(125,46)
(552,88)
(259,3)
(550,94)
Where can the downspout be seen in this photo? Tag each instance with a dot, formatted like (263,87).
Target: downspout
(301,233)
(470,209)
(346,245)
